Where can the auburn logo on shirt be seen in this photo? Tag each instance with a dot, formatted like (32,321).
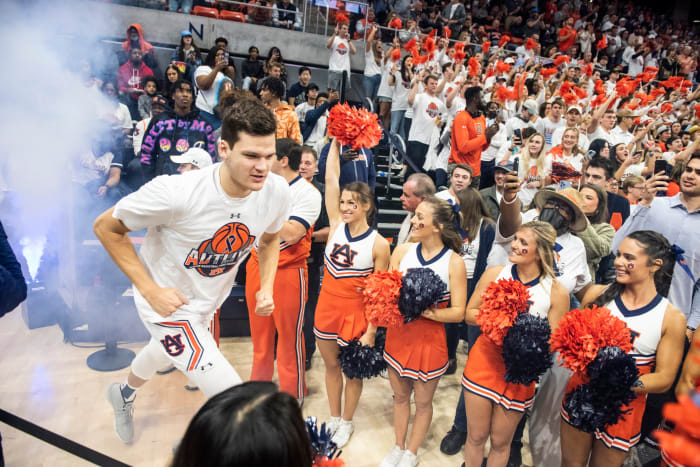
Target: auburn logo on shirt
(220,253)
(343,256)
(433,110)
(341,49)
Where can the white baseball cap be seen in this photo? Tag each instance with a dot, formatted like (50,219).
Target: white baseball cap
(195,156)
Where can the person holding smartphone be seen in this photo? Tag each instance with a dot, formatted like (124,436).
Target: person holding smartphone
(211,79)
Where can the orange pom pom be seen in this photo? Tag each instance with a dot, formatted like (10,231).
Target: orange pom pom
(446,32)
(354,127)
(505,38)
(502,302)
(683,445)
(396,23)
(459,46)
(381,298)
(530,44)
(656,93)
(651,69)
(502,67)
(588,70)
(561,59)
(667,107)
(672,83)
(548,72)
(570,98)
(485,46)
(429,44)
(600,87)
(603,43)
(340,18)
(565,87)
(411,45)
(459,56)
(326,462)
(599,99)
(432,33)
(581,333)
(697,111)
(473,65)
(580,93)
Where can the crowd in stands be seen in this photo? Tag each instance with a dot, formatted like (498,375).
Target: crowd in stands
(586,111)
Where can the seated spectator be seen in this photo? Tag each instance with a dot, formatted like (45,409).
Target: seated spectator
(260,12)
(116,114)
(598,236)
(192,159)
(252,69)
(129,80)
(135,40)
(222,43)
(172,75)
(213,78)
(99,173)
(286,16)
(274,57)
(184,5)
(187,54)
(304,106)
(314,129)
(275,72)
(150,87)
(287,123)
(297,92)
(164,137)
(158,106)
(229,428)
(460,178)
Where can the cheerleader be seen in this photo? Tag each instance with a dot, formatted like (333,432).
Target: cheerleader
(644,267)
(494,407)
(353,251)
(416,352)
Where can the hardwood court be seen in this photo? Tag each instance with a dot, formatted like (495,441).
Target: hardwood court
(47,382)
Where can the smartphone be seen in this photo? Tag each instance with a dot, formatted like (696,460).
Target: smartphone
(516,163)
(226,57)
(660,166)
(518,136)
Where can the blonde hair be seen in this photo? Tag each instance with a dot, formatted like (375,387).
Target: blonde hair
(545,238)
(525,156)
(576,150)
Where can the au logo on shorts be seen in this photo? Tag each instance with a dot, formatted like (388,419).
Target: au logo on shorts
(220,253)
(173,344)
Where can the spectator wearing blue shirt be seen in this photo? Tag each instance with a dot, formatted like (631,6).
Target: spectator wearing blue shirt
(354,166)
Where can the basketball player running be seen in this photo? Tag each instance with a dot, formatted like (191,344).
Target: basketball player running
(201,225)
(290,281)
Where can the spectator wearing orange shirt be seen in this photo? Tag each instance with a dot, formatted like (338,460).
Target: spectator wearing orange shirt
(470,135)
(567,35)
(271,94)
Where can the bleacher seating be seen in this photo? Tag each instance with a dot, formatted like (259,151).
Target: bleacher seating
(232,16)
(206,12)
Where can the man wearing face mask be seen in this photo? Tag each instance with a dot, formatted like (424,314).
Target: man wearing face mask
(470,135)
(499,142)
(565,215)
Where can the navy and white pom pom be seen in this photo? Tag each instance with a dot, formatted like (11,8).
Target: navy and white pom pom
(321,443)
(526,351)
(421,288)
(591,408)
(361,361)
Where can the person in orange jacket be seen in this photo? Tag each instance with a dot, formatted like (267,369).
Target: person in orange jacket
(470,135)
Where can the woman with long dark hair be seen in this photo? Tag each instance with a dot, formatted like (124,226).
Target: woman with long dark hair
(400,80)
(249,424)
(213,78)
(598,236)
(188,54)
(494,407)
(644,268)
(170,77)
(416,352)
(353,251)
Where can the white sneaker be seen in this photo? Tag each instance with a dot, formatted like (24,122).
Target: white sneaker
(408,459)
(394,457)
(123,413)
(343,433)
(332,424)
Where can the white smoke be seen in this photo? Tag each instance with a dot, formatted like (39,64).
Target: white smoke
(49,116)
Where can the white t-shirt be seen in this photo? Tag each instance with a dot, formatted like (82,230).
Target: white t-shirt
(668,155)
(121,118)
(340,55)
(399,101)
(470,251)
(572,270)
(371,67)
(197,235)
(301,110)
(208,98)
(549,128)
(446,195)
(384,89)
(599,133)
(426,110)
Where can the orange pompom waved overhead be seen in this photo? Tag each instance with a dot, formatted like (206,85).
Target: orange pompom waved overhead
(548,72)
(432,33)
(446,32)
(396,55)
(561,59)
(411,45)
(603,43)
(501,303)
(341,18)
(396,23)
(502,67)
(485,46)
(588,71)
(530,44)
(581,333)
(354,127)
(473,65)
(505,38)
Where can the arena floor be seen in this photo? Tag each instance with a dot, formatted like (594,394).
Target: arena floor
(47,382)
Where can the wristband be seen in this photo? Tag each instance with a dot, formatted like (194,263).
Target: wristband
(503,200)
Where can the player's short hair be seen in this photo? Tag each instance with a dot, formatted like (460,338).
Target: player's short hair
(465,167)
(248,116)
(287,147)
(249,424)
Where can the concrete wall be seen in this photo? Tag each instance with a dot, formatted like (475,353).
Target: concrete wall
(162,27)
